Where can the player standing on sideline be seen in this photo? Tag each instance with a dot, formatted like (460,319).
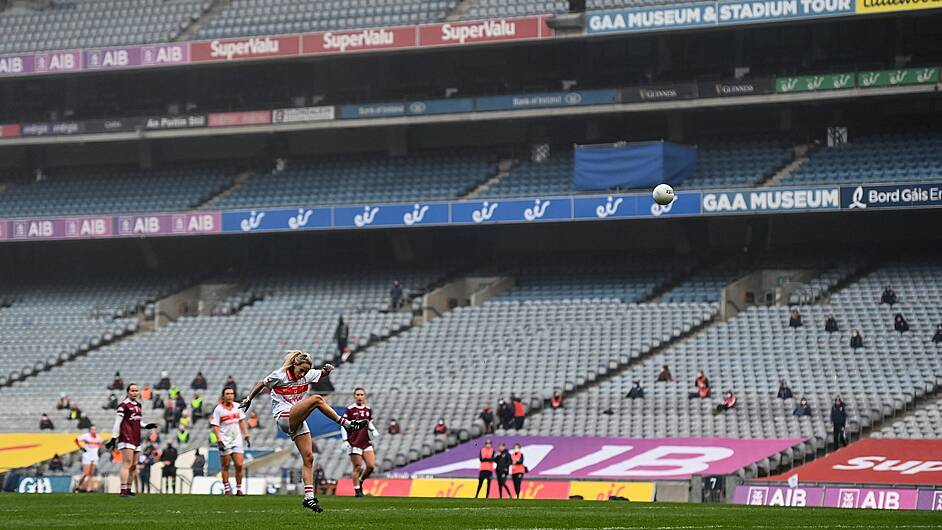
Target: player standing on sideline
(359,444)
(228,422)
(487,468)
(126,435)
(517,469)
(90,444)
(287,385)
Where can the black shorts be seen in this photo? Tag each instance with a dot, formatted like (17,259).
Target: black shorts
(485,475)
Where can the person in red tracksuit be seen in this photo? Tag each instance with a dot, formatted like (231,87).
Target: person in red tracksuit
(517,469)
(487,468)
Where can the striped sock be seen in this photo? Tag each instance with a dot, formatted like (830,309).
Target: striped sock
(226,488)
(308,491)
(125,487)
(239,488)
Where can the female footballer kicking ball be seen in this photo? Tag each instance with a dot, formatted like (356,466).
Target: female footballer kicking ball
(290,409)
(228,422)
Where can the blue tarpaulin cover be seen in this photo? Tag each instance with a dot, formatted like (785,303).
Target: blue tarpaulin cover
(632,166)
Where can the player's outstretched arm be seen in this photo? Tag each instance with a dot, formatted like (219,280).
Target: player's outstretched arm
(247,402)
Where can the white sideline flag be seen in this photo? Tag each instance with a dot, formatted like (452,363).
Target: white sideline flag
(793,481)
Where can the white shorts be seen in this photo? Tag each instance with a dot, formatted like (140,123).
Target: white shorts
(237,447)
(125,445)
(89,458)
(359,451)
(283,425)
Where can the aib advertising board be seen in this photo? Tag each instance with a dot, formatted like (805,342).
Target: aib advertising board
(557,457)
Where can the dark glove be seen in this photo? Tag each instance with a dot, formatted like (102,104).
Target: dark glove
(248,443)
(150,426)
(246,403)
(110,444)
(221,446)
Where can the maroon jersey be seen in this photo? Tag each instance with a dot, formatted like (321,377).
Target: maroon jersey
(130,414)
(360,439)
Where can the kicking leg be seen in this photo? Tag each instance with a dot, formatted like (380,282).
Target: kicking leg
(302,409)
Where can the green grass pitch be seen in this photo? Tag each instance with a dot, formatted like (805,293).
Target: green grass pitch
(257,513)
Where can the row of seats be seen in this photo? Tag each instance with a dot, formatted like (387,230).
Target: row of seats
(96,23)
(114,190)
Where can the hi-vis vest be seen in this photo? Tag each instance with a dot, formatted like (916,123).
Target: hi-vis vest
(487,459)
(516,457)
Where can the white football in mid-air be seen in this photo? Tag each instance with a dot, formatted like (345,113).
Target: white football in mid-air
(663,194)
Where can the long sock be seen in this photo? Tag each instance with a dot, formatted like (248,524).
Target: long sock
(308,491)
(239,487)
(226,487)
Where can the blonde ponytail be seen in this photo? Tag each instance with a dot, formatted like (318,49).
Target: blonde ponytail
(296,357)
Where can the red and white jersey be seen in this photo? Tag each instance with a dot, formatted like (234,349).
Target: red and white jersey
(90,443)
(362,438)
(227,419)
(128,422)
(286,390)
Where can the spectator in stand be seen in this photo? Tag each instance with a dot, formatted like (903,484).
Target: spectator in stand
(830,323)
(45,423)
(937,338)
(196,405)
(505,414)
(253,422)
(75,413)
(702,384)
(84,422)
(839,420)
(856,339)
(395,296)
(153,438)
(173,393)
(487,416)
(183,435)
(169,417)
(179,405)
(729,401)
(169,473)
(164,382)
(55,464)
(889,296)
(63,402)
(440,427)
(147,393)
(231,383)
(556,402)
(342,336)
(158,401)
(794,319)
(112,402)
(803,409)
(784,392)
(900,324)
(520,413)
(199,382)
(636,391)
(117,383)
(145,461)
(185,419)
(199,464)
(393,427)
(664,376)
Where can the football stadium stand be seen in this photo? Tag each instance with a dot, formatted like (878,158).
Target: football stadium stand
(754,351)
(71,24)
(114,190)
(889,156)
(363,178)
